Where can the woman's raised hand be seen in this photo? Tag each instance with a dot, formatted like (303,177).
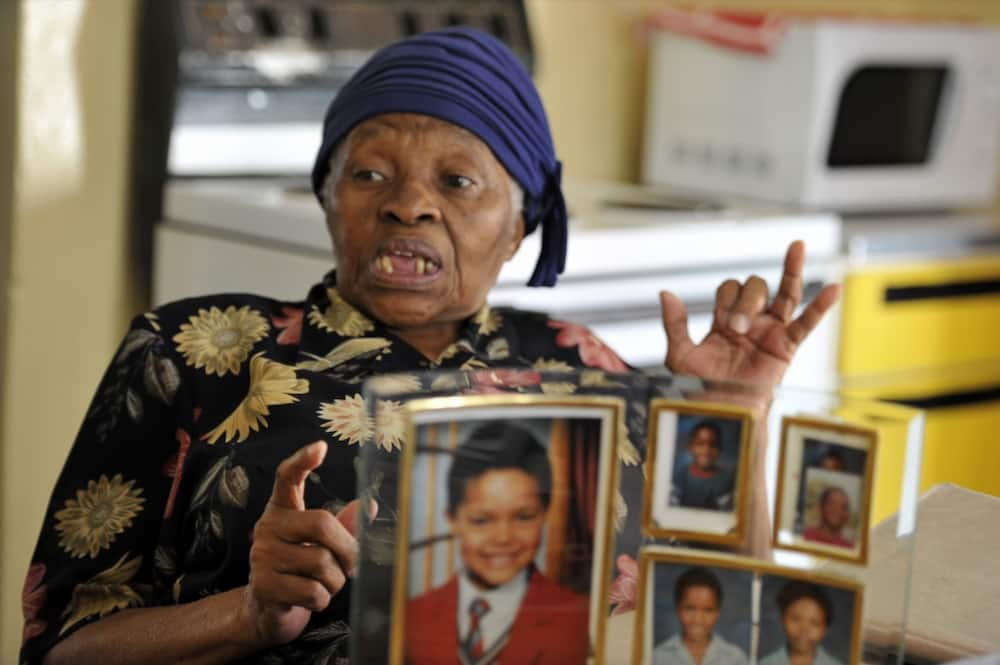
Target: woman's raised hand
(300,558)
(750,340)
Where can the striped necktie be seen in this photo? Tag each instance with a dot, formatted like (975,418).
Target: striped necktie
(473,643)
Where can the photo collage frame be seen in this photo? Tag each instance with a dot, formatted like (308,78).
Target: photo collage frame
(746,610)
(825,478)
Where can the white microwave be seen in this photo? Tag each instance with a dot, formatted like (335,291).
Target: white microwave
(842,115)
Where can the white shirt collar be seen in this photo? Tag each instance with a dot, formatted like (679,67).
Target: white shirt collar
(504,602)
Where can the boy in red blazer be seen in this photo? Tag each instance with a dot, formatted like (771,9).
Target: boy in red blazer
(498,610)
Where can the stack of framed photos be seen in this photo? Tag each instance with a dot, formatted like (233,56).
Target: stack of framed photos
(582,517)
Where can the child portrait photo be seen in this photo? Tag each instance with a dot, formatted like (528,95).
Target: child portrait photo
(712,608)
(696,612)
(824,489)
(504,545)
(808,620)
(697,460)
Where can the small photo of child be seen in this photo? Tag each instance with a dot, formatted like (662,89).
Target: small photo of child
(701,477)
(700,614)
(807,623)
(709,608)
(824,488)
(833,475)
(698,455)
(830,515)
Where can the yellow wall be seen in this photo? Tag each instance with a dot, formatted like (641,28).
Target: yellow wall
(8,53)
(67,289)
(591,75)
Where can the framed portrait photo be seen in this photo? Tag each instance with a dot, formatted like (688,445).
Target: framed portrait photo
(505,525)
(814,615)
(692,603)
(697,459)
(824,495)
(688,596)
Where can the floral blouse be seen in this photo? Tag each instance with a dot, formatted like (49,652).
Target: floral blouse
(175,459)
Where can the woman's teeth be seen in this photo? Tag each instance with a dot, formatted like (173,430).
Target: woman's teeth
(410,263)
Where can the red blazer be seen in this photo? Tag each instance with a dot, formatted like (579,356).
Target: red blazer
(550,628)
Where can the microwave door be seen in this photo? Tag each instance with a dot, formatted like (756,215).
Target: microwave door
(888,116)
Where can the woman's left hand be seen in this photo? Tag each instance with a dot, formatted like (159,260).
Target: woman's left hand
(750,340)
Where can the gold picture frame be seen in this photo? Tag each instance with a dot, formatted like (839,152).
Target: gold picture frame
(642,648)
(789,531)
(659,474)
(472,408)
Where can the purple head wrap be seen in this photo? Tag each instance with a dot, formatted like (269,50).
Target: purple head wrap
(472,80)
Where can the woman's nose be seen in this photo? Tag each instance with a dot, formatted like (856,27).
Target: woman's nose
(410,202)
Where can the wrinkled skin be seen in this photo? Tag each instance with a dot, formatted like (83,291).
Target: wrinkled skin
(751,339)
(416,187)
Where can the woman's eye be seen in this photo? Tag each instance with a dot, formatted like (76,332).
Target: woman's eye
(478,520)
(458,181)
(367,175)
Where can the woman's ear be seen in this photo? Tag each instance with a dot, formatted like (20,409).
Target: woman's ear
(515,241)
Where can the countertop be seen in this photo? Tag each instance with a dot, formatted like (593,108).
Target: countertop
(908,237)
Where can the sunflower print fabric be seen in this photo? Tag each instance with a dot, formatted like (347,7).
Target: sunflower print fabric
(175,459)
(220,340)
(90,522)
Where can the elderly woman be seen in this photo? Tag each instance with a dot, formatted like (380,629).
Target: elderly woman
(198,518)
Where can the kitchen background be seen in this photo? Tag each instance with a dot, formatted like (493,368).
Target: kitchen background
(67,270)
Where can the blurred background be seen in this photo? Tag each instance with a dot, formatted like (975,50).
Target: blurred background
(126,180)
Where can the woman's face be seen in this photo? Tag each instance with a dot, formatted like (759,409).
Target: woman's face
(805,625)
(499,525)
(698,611)
(423,221)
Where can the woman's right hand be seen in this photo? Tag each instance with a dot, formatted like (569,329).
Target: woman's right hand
(298,561)
(299,558)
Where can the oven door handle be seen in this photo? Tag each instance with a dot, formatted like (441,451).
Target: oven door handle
(951,399)
(943,291)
